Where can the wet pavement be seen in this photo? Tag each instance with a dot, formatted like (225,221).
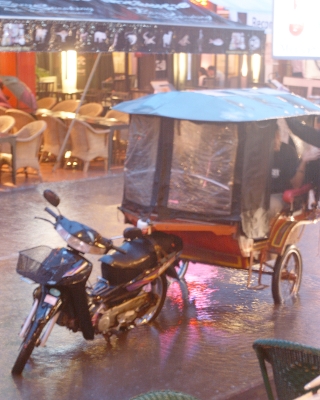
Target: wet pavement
(200,344)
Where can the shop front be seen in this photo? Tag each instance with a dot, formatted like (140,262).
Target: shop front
(140,41)
(112,50)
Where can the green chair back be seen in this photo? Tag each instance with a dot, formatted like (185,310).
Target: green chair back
(163,395)
(293,366)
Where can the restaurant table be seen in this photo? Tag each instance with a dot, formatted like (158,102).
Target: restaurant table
(98,122)
(12,141)
(68,94)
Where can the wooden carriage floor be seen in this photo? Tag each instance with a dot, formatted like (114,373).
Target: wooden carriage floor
(72,173)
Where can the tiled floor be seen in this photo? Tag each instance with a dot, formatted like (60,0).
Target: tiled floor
(96,170)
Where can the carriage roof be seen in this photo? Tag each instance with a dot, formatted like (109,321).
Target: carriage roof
(228,105)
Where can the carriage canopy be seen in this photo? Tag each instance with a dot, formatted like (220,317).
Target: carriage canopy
(206,156)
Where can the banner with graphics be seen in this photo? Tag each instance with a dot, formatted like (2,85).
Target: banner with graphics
(122,25)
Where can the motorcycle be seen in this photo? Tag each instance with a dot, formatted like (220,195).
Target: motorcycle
(131,291)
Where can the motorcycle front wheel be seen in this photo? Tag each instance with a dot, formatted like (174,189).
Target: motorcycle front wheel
(158,290)
(27,347)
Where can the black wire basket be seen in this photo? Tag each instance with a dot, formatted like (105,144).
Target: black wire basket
(45,265)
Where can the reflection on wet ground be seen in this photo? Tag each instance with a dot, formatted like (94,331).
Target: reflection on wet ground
(201,343)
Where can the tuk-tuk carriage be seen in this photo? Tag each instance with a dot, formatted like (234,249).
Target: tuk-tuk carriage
(198,165)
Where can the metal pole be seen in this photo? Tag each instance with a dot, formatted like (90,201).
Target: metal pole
(77,111)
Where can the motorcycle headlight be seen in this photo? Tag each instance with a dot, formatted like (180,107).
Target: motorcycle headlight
(75,243)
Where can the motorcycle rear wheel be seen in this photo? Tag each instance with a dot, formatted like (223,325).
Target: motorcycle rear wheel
(159,289)
(27,347)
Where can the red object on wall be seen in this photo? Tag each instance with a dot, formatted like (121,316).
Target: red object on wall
(23,66)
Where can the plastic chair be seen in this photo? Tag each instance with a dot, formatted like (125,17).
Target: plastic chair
(22,118)
(53,136)
(164,395)
(66,105)
(91,109)
(46,102)
(293,365)
(88,143)
(27,147)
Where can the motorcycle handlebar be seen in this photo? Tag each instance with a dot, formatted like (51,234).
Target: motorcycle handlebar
(53,214)
(119,249)
(109,245)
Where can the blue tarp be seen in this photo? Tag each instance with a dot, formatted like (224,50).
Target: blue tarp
(229,105)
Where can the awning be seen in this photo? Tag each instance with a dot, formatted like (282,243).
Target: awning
(144,26)
(229,105)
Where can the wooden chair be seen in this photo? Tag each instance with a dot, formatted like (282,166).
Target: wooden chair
(22,118)
(92,109)
(70,105)
(293,364)
(53,136)
(88,143)
(46,102)
(28,141)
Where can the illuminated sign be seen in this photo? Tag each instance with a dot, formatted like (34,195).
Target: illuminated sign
(200,2)
(203,3)
(296,29)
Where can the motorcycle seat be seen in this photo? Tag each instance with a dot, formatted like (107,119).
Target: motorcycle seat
(118,267)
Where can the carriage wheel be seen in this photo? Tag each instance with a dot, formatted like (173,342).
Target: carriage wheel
(287,274)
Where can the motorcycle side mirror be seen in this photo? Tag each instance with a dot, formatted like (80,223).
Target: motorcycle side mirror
(51,197)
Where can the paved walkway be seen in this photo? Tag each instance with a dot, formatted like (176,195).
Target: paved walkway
(200,344)
(96,170)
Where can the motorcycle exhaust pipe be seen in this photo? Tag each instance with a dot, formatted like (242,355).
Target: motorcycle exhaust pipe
(29,318)
(46,334)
